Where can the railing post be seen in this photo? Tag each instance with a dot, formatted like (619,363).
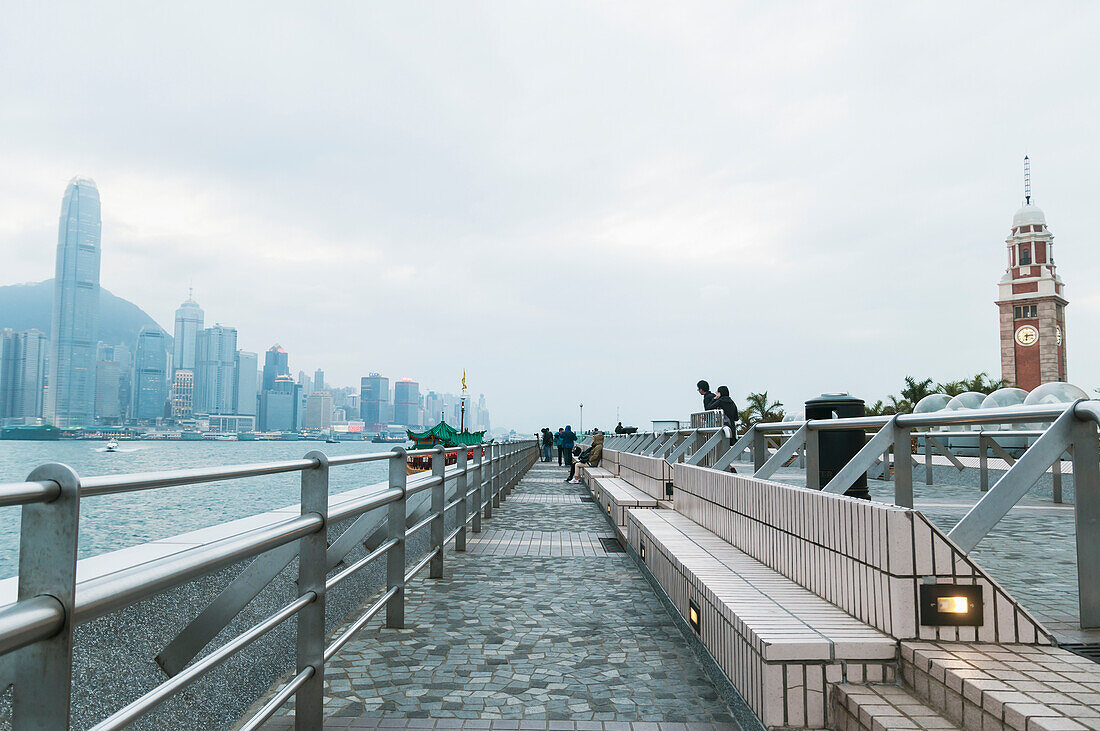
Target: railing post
(759,450)
(903,467)
(1056,480)
(813,463)
(927,458)
(486,491)
(1086,485)
(42,694)
(983,463)
(476,489)
(309,700)
(395,557)
(439,503)
(498,473)
(460,499)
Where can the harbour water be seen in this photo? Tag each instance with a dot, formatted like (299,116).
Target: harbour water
(111,522)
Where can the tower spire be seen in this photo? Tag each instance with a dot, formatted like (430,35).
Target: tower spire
(1027,180)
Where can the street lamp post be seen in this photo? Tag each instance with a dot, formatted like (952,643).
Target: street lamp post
(582,419)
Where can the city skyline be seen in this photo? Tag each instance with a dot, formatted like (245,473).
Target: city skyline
(199,374)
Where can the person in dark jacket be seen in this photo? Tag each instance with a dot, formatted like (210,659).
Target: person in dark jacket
(561,449)
(729,410)
(708,396)
(568,439)
(547,444)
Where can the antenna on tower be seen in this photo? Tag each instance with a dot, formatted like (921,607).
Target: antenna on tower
(1027,180)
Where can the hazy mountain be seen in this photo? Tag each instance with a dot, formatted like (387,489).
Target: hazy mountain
(26,306)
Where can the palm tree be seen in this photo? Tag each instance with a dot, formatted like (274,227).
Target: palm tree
(875,409)
(915,390)
(899,406)
(758,409)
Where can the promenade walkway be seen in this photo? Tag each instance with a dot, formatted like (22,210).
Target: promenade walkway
(543,623)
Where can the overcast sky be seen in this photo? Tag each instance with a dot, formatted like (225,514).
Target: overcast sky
(575,202)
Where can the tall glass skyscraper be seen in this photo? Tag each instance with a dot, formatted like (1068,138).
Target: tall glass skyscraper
(74,331)
(150,374)
(215,367)
(406,402)
(276,363)
(189,320)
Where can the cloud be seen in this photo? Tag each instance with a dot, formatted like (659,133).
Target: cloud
(574,202)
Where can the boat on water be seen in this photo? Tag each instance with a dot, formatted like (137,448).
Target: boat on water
(394,434)
(445,435)
(112,446)
(43,433)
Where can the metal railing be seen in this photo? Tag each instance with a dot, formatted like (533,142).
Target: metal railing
(51,604)
(1073,430)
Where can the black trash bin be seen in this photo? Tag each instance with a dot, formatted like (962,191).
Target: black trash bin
(836,447)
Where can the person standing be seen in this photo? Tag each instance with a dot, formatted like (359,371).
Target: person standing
(547,444)
(568,440)
(708,396)
(561,449)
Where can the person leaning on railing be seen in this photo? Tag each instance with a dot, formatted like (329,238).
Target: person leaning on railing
(725,404)
(708,396)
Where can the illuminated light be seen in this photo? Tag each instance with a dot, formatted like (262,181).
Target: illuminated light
(641,549)
(951,605)
(693,616)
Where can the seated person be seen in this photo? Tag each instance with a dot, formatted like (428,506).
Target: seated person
(590,457)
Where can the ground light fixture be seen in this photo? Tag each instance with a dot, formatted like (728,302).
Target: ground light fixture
(952,605)
(693,616)
(668,490)
(641,550)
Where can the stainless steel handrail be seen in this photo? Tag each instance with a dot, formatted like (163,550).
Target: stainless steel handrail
(53,492)
(1072,430)
(23,493)
(111,484)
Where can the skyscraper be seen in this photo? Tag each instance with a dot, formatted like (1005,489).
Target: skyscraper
(319,380)
(374,401)
(107,380)
(22,373)
(150,374)
(246,372)
(406,402)
(318,410)
(189,321)
(70,400)
(215,364)
(280,406)
(276,363)
(183,394)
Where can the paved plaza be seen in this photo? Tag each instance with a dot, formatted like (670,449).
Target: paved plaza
(540,624)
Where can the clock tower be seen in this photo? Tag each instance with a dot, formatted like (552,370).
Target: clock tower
(1031,300)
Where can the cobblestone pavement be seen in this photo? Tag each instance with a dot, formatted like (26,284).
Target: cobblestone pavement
(1031,552)
(532,639)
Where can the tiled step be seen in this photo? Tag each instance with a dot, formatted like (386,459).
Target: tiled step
(882,708)
(781,646)
(1015,687)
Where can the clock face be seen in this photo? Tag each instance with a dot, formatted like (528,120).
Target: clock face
(1058,334)
(1027,335)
